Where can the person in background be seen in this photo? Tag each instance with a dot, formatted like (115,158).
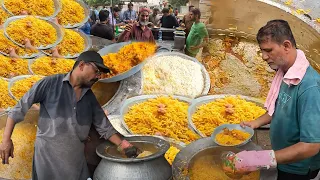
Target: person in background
(130,15)
(121,12)
(86,27)
(138,31)
(93,17)
(68,108)
(170,9)
(154,18)
(293,109)
(168,20)
(187,22)
(176,13)
(116,18)
(198,36)
(103,29)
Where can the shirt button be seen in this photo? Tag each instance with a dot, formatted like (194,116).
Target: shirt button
(74,108)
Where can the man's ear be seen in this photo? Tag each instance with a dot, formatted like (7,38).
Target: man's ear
(287,45)
(81,65)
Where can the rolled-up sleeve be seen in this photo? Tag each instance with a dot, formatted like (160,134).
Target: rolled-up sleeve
(101,122)
(35,95)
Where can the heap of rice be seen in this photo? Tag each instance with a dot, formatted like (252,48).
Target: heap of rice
(47,66)
(170,155)
(20,167)
(172,75)
(43,8)
(6,44)
(231,137)
(71,44)
(3,16)
(20,87)
(10,67)
(5,100)
(38,31)
(127,57)
(163,115)
(229,110)
(71,13)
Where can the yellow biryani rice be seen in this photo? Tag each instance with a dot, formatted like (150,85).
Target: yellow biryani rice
(3,16)
(20,87)
(171,154)
(32,7)
(5,100)
(72,43)
(10,67)
(6,44)
(20,167)
(71,13)
(40,32)
(163,115)
(231,137)
(47,66)
(127,57)
(229,110)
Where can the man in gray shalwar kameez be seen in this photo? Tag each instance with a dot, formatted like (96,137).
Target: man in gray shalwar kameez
(68,107)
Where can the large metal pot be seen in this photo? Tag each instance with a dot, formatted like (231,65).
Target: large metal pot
(153,167)
(243,18)
(204,146)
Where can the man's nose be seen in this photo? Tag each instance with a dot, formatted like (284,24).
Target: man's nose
(265,56)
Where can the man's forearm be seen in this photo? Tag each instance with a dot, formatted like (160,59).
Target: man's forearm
(297,152)
(8,130)
(115,139)
(264,119)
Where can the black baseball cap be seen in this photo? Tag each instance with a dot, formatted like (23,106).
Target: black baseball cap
(94,57)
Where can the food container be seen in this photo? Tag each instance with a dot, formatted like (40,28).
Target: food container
(60,33)
(57,8)
(206,99)
(87,46)
(205,73)
(153,167)
(113,48)
(219,129)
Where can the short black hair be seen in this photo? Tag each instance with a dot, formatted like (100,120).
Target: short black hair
(116,9)
(192,6)
(104,15)
(156,9)
(276,30)
(130,4)
(165,10)
(196,11)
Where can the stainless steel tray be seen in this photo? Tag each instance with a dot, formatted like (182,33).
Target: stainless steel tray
(87,45)
(57,8)
(113,48)
(60,33)
(205,73)
(13,80)
(206,99)
(138,99)
(86,16)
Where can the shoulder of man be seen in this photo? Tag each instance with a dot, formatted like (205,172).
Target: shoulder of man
(311,79)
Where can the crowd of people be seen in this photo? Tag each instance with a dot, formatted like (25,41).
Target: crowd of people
(138,25)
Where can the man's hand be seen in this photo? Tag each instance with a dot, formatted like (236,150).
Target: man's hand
(6,151)
(248,161)
(128,149)
(128,27)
